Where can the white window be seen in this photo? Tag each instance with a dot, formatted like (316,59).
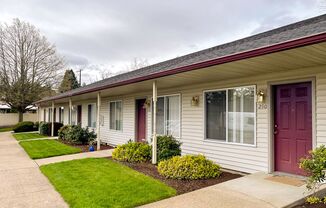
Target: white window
(74,115)
(230,115)
(91,115)
(116,115)
(61,114)
(49,114)
(168,115)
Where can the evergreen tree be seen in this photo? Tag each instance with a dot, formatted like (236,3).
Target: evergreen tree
(69,81)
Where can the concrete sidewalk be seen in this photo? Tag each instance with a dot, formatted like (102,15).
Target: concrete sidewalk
(251,191)
(22,183)
(95,154)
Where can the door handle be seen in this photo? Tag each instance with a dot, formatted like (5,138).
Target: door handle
(275,129)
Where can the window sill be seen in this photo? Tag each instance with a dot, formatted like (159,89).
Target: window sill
(229,143)
(114,130)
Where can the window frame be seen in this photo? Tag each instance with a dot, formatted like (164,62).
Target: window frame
(61,114)
(227,116)
(115,101)
(74,109)
(95,108)
(180,113)
(49,115)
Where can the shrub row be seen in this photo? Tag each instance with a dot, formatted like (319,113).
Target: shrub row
(75,134)
(171,164)
(26,126)
(167,147)
(45,128)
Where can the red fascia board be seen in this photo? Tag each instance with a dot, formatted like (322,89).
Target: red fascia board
(221,60)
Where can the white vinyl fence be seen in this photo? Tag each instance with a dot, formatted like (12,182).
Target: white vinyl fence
(10,119)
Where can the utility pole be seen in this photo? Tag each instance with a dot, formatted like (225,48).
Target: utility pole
(80,77)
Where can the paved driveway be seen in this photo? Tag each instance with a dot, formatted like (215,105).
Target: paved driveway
(21,182)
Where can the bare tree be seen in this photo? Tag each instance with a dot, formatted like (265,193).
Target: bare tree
(136,63)
(29,65)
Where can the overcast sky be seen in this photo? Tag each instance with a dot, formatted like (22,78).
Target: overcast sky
(98,35)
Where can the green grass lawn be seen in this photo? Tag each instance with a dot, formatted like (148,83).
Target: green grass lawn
(47,148)
(26,136)
(100,182)
(6,129)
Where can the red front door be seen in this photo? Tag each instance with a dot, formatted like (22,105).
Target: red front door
(141,120)
(293,126)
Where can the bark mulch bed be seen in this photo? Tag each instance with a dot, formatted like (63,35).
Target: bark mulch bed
(85,147)
(181,186)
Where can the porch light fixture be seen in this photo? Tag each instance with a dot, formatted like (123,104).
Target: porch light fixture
(195,101)
(147,104)
(260,96)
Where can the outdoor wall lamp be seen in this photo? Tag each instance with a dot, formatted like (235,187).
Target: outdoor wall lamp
(147,103)
(195,101)
(260,96)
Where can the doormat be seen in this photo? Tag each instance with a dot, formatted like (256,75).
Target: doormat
(287,180)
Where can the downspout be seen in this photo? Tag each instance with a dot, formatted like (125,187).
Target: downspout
(52,120)
(98,121)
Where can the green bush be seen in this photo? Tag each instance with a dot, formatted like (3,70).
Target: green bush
(45,128)
(314,164)
(188,167)
(167,147)
(36,125)
(24,126)
(63,132)
(77,135)
(132,152)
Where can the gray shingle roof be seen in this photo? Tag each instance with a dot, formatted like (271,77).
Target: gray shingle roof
(306,28)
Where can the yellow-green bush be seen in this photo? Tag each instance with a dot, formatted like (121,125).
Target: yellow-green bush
(189,167)
(132,152)
(314,164)
(313,200)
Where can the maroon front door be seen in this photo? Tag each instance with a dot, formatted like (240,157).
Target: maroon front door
(293,126)
(141,120)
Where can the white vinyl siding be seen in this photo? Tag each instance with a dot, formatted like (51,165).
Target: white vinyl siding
(127,133)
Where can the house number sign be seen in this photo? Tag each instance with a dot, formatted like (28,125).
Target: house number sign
(262,106)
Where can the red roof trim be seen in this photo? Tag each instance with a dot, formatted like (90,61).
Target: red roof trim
(234,57)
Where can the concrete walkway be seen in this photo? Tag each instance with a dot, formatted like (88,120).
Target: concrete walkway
(95,154)
(21,182)
(251,191)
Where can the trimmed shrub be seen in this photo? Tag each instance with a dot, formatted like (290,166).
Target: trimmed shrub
(134,152)
(63,132)
(167,147)
(45,128)
(314,164)
(36,125)
(77,135)
(190,167)
(24,126)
